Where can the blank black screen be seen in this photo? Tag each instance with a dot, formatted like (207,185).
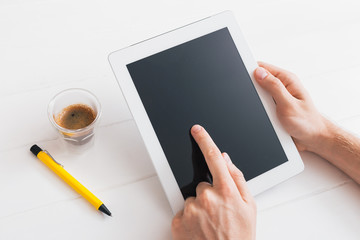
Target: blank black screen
(205,81)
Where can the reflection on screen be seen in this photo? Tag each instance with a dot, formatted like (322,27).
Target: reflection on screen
(205,81)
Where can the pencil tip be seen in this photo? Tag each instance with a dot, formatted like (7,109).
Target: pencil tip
(104,209)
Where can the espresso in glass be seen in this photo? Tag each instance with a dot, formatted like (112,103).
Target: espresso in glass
(75,113)
(75,116)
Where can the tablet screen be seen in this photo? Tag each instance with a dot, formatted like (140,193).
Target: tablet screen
(204,81)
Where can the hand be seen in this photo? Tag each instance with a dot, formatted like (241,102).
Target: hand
(294,106)
(224,210)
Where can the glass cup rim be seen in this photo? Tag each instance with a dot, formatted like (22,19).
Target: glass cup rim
(52,120)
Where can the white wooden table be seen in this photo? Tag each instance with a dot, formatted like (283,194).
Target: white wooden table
(50,45)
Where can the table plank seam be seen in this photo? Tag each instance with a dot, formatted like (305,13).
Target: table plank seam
(306,196)
(42,86)
(53,139)
(79,197)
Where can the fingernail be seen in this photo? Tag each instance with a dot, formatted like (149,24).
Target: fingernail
(196,128)
(261,73)
(226,157)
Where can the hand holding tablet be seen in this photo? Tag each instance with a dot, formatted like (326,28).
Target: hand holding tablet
(296,111)
(228,198)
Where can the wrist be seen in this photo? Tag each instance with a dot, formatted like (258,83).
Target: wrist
(323,139)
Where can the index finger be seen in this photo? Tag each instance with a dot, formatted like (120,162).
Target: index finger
(212,154)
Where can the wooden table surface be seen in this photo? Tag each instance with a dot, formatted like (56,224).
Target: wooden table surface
(50,45)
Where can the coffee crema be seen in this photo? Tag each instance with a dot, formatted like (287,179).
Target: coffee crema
(75,116)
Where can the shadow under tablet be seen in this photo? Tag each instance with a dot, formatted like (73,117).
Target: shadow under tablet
(201,172)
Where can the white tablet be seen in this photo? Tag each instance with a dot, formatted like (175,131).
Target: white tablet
(202,73)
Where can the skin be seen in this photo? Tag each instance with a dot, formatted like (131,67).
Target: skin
(234,216)
(226,210)
(309,129)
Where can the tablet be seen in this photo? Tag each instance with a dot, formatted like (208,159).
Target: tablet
(202,73)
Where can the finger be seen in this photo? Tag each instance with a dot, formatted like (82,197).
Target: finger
(189,207)
(238,178)
(290,81)
(274,86)
(212,155)
(201,187)
(188,201)
(176,225)
(274,70)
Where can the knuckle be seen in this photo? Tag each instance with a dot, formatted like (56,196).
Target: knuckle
(190,210)
(287,74)
(176,224)
(251,203)
(212,151)
(205,195)
(275,83)
(226,190)
(239,174)
(204,184)
(291,75)
(207,200)
(288,109)
(201,187)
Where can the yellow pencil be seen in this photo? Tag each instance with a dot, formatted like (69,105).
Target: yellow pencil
(56,167)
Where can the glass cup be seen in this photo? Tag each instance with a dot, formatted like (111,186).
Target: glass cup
(81,137)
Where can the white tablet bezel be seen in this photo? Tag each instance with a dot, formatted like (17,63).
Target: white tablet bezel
(121,58)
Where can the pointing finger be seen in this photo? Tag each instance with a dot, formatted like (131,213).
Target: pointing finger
(212,154)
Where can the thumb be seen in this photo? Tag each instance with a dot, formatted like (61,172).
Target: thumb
(273,85)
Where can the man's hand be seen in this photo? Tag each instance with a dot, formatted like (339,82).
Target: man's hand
(309,129)
(224,210)
(294,106)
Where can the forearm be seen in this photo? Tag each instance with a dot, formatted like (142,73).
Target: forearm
(340,148)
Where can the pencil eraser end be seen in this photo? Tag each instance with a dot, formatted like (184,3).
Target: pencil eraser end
(35,149)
